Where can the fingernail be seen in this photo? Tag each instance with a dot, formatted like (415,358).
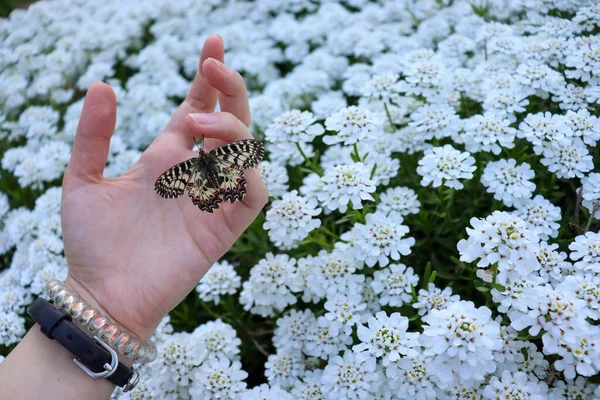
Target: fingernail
(220,65)
(204,119)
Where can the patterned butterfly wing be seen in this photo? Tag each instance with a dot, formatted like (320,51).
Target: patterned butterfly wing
(242,154)
(173,181)
(205,197)
(212,177)
(232,183)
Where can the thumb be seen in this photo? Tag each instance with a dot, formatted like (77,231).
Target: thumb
(95,128)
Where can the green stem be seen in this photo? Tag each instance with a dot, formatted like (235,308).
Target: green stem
(215,315)
(593,212)
(306,159)
(355,147)
(328,232)
(310,164)
(389,116)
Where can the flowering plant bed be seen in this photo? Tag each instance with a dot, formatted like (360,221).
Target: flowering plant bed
(433,225)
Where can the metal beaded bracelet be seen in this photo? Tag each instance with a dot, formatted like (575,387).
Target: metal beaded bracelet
(95,323)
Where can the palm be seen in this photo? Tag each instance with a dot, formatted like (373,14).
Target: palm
(137,254)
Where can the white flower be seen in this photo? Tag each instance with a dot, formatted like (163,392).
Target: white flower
(52,270)
(265,392)
(414,377)
(4,205)
(271,284)
(178,358)
(461,338)
(283,369)
(509,182)
(585,250)
(333,273)
(517,385)
(310,388)
(287,153)
(275,177)
(346,183)
(386,338)
(540,77)
(572,389)
(507,103)
(571,97)
(400,199)
(552,262)
(504,240)
(584,125)
(328,103)
(435,120)
(407,140)
(290,219)
(312,185)
(345,309)
(425,77)
(218,378)
(513,290)
(591,192)
(221,279)
(379,239)
(326,339)
(218,339)
(586,287)
(541,216)
(381,88)
(370,298)
(561,315)
(292,329)
(351,125)
(434,298)
(382,167)
(394,284)
(294,126)
(568,159)
(264,108)
(584,58)
(12,328)
(544,130)
(445,166)
(349,378)
(488,132)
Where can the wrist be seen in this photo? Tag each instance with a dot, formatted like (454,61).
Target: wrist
(96,320)
(49,366)
(123,317)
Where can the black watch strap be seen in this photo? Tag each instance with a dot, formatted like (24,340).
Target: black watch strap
(56,324)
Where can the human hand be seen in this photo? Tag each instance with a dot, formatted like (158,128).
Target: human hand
(130,252)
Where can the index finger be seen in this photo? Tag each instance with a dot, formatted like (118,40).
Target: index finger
(233,97)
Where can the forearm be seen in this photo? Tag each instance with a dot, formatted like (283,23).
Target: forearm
(40,368)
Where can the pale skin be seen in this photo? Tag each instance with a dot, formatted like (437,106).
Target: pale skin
(131,253)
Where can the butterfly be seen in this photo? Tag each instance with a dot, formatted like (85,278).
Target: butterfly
(214,176)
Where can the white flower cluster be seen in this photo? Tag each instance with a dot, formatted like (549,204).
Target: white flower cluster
(354,266)
(290,219)
(221,279)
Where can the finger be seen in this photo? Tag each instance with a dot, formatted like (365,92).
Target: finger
(95,128)
(221,125)
(258,193)
(233,96)
(255,199)
(202,97)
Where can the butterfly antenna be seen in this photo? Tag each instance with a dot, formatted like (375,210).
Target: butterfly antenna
(196,141)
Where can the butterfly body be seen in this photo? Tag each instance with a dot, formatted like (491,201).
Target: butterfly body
(212,177)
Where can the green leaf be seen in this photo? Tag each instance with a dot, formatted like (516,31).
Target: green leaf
(426,275)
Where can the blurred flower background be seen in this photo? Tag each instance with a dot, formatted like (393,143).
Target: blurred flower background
(433,228)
